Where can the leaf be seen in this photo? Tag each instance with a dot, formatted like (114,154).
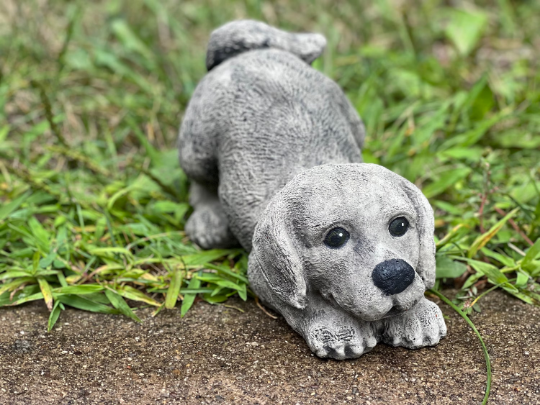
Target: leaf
(507,261)
(522,279)
(86,305)
(448,179)
(53,317)
(493,273)
(14,274)
(22,293)
(46,291)
(465,29)
(47,261)
(201,258)
(448,268)
(189,299)
(8,208)
(78,289)
(22,299)
(242,292)
(215,299)
(15,283)
(129,39)
(118,302)
(133,294)
(455,233)
(483,239)
(40,234)
(533,251)
(225,270)
(174,288)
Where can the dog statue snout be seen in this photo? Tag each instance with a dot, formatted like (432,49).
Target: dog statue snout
(393,276)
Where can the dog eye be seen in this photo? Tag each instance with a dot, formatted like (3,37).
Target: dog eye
(336,238)
(399,226)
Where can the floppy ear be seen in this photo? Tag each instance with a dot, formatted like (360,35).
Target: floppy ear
(426,227)
(275,255)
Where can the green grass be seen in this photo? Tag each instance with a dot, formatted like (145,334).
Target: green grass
(92,94)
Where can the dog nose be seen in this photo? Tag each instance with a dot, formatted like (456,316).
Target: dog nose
(393,276)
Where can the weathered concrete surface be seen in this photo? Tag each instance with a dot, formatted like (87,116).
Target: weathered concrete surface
(220,355)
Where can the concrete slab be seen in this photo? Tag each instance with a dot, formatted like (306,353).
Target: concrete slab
(217,354)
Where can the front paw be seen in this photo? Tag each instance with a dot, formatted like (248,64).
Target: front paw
(209,229)
(421,326)
(343,342)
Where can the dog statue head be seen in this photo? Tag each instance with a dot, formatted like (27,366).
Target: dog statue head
(358,235)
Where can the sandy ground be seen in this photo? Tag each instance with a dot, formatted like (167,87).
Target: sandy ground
(219,355)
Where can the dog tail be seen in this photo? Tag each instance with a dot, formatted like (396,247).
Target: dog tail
(241,36)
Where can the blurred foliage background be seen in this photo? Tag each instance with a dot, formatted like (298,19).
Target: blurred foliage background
(93,201)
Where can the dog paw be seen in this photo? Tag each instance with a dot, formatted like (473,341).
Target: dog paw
(419,327)
(209,229)
(345,342)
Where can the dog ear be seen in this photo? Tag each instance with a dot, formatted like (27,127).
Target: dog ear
(276,256)
(426,226)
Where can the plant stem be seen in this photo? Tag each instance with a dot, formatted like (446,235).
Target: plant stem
(471,324)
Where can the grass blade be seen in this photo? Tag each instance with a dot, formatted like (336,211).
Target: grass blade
(174,289)
(471,324)
(78,289)
(136,295)
(483,239)
(53,317)
(118,302)
(8,208)
(47,293)
(533,251)
(189,299)
(86,305)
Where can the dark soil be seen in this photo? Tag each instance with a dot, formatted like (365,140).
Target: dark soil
(219,355)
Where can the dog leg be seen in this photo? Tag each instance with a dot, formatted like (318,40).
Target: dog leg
(332,333)
(208,226)
(421,326)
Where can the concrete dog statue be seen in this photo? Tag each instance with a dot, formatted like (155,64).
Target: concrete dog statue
(342,249)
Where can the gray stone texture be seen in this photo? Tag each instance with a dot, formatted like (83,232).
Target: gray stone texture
(273,149)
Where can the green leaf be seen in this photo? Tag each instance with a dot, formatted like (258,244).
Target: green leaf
(189,299)
(465,29)
(507,261)
(129,39)
(215,299)
(40,234)
(225,270)
(522,279)
(22,293)
(78,289)
(448,268)
(53,317)
(22,299)
(15,283)
(14,274)
(531,255)
(86,305)
(483,239)
(8,208)
(174,288)
(493,273)
(46,291)
(447,179)
(118,302)
(136,295)
(203,257)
